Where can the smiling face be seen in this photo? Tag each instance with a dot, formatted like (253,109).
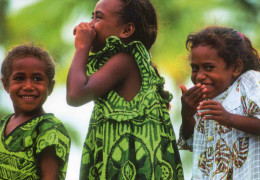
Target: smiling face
(210,69)
(106,22)
(28,86)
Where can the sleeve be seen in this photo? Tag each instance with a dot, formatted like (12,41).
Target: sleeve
(53,135)
(250,93)
(185,144)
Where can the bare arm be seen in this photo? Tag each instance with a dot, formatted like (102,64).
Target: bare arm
(114,74)
(215,111)
(82,88)
(190,100)
(49,164)
(84,36)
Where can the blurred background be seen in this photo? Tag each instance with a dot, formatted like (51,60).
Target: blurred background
(49,24)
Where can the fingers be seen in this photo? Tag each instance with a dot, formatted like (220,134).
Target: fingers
(209,103)
(197,92)
(183,89)
(190,98)
(193,89)
(209,113)
(211,110)
(82,25)
(211,117)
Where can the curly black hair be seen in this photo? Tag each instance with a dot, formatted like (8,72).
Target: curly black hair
(230,44)
(23,51)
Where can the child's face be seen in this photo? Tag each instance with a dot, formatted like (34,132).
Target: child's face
(28,86)
(106,22)
(210,69)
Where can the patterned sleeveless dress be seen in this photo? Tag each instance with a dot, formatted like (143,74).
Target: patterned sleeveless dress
(130,140)
(19,151)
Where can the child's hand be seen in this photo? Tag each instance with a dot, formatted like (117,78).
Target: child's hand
(214,111)
(190,98)
(84,36)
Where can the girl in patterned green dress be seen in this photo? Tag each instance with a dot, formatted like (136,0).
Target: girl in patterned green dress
(130,134)
(33,144)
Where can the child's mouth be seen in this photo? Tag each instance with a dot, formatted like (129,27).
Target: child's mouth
(28,97)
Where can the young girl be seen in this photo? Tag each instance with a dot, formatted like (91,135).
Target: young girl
(226,128)
(130,134)
(33,144)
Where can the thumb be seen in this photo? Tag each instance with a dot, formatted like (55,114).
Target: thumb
(183,89)
(74,31)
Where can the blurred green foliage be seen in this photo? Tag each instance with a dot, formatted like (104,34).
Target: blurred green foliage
(50,23)
(45,22)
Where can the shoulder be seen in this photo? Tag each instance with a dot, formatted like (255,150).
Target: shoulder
(115,49)
(122,58)
(50,122)
(250,75)
(121,63)
(249,81)
(4,119)
(51,132)
(249,87)
(244,90)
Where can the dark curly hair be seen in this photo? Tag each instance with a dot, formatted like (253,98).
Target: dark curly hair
(142,13)
(230,44)
(23,51)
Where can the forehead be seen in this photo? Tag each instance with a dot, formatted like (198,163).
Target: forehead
(204,52)
(28,63)
(108,6)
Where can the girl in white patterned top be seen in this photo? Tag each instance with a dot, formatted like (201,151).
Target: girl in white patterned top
(221,112)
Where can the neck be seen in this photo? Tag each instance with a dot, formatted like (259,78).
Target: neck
(24,116)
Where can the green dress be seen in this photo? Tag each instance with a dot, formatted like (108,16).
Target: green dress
(19,151)
(130,140)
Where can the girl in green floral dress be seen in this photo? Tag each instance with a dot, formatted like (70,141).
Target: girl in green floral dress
(33,144)
(130,134)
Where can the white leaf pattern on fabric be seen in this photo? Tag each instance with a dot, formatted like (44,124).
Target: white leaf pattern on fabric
(236,153)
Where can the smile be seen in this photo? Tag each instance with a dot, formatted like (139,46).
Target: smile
(28,97)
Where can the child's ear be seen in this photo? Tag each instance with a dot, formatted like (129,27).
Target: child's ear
(128,30)
(5,84)
(238,68)
(51,86)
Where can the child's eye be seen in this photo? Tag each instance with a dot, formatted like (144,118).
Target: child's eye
(194,68)
(18,78)
(37,79)
(209,68)
(98,17)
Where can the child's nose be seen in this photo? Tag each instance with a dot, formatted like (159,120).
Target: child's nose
(28,86)
(200,77)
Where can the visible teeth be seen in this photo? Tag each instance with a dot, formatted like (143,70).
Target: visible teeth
(28,97)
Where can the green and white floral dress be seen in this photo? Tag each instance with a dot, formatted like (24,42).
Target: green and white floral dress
(130,140)
(19,151)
